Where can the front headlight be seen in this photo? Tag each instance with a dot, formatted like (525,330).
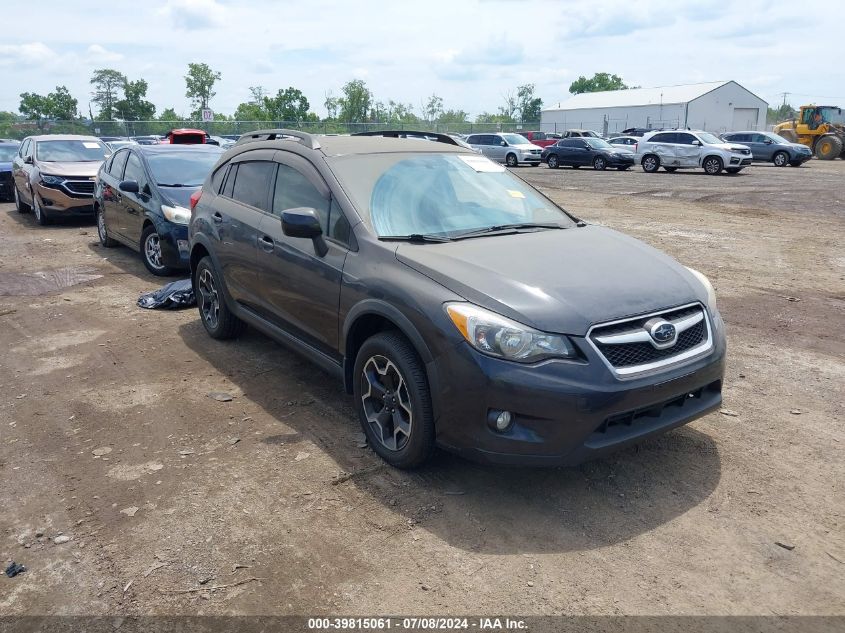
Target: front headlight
(51,180)
(499,336)
(177,215)
(711,294)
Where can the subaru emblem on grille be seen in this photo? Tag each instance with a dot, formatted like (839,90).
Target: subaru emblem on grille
(663,334)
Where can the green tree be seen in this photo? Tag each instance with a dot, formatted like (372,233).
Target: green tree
(61,105)
(528,104)
(508,110)
(780,114)
(453,117)
(133,106)
(107,82)
(356,102)
(598,83)
(199,83)
(169,114)
(332,105)
(288,105)
(433,108)
(33,106)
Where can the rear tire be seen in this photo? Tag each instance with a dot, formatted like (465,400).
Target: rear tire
(780,159)
(102,230)
(19,204)
(650,163)
(828,147)
(218,320)
(151,252)
(713,165)
(393,400)
(511,160)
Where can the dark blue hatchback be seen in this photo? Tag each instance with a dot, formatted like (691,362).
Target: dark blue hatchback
(142,200)
(7,153)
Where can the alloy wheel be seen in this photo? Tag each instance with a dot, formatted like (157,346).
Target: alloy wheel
(209,299)
(387,403)
(599,163)
(650,163)
(152,250)
(780,159)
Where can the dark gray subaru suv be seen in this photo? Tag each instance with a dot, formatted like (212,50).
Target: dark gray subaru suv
(460,306)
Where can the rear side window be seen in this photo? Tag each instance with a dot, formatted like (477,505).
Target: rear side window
(253,182)
(118,163)
(231,174)
(217,179)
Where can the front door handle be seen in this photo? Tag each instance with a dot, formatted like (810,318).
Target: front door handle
(266,243)
(217,217)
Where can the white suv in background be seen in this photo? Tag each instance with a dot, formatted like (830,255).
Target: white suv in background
(511,149)
(681,149)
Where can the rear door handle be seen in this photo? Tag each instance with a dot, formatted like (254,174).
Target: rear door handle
(217,217)
(266,243)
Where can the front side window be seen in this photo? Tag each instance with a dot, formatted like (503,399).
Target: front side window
(135,171)
(295,190)
(253,182)
(440,194)
(72,151)
(684,139)
(515,139)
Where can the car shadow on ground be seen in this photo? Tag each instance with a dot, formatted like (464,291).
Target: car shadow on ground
(28,219)
(474,507)
(129,262)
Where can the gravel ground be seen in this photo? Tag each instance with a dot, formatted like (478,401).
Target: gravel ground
(173,502)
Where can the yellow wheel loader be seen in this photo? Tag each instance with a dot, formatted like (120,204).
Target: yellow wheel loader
(821,128)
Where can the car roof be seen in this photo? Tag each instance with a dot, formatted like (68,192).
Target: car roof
(749,132)
(168,148)
(342,145)
(65,137)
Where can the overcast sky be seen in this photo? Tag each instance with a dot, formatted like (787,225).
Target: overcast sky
(470,52)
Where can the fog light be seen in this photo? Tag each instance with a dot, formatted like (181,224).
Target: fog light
(499,420)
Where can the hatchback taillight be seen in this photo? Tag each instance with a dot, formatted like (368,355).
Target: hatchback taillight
(195,197)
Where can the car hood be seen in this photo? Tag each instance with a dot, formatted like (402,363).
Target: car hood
(179,196)
(5,166)
(730,147)
(526,146)
(572,279)
(87,168)
(799,147)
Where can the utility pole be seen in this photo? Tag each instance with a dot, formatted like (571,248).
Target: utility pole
(785,95)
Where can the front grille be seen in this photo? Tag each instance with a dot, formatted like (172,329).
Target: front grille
(626,356)
(80,187)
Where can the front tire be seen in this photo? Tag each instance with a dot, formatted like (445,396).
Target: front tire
(780,159)
(40,216)
(828,147)
(713,165)
(511,160)
(218,320)
(102,230)
(553,161)
(599,163)
(151,252)
(393,400)
(650,163)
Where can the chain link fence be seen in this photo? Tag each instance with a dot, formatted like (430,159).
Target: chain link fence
(21,129)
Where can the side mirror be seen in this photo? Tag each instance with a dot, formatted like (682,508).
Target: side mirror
(303,222)
(697,143)
(768,141)
(503,144)
(129,186)
(27,160)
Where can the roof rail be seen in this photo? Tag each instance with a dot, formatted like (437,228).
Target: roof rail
(309,140)
(440,138)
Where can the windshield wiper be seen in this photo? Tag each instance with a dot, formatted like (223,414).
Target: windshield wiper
(420,238)
(507,228)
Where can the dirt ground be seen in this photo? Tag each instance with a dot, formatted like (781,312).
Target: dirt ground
(176,503)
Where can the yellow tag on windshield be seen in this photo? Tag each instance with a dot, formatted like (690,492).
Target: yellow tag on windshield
(516,194)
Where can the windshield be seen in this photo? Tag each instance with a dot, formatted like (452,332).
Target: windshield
(598,143)
(439,194)
(7,153)
(708,138)
(515,139)
(187,169)
(72,151)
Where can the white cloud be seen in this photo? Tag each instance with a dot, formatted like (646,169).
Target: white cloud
(191,15)
(96,54)
(26,55)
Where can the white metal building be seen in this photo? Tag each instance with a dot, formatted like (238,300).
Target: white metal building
(717,106)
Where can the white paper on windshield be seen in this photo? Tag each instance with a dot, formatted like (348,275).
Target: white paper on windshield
(482,164)
(91,145)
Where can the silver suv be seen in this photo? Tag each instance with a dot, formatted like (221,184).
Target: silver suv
(511,149)
(682,149)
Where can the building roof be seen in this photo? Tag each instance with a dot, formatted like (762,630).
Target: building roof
(638,96)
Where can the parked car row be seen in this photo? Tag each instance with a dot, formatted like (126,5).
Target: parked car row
(458,305)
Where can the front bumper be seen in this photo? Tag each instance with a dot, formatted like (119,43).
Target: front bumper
(175,251)
(530,158)
(620,161)
(800,158)
(565,412)
(57,203)
(742,160)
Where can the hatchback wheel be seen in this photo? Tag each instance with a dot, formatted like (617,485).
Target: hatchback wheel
(713,165)
(780,159)
(102,231)
(218,320)
(650,163)
(151,252)
(40,216)
(599,163)
(553,162)
(511,160)
(393,400)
